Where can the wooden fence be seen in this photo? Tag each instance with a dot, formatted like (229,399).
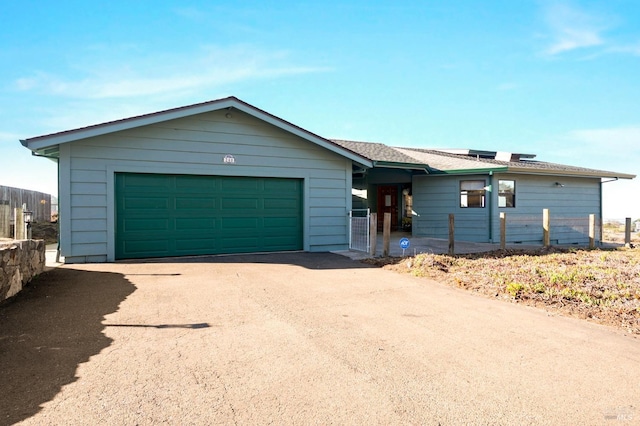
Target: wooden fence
(11,198)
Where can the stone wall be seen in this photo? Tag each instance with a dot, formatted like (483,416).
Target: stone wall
(20,261)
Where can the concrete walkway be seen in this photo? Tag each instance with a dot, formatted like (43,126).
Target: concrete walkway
(51,257)
(420,245)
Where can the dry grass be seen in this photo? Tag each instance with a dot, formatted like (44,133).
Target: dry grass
(600,285)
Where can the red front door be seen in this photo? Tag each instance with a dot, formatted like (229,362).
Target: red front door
(388,203)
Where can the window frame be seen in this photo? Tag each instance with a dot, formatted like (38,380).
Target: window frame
(505,195)
(481,193)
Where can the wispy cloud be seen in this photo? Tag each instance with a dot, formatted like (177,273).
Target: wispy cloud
(507,86)
(190,13)
(210,67)
(572,28)
(615,148)
(617,141)
(632,49)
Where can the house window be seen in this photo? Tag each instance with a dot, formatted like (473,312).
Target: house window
(472,193)
(506,193)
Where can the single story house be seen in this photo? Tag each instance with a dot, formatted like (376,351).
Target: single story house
(226,177)
(424,186)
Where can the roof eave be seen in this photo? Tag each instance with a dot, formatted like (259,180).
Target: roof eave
(468,171)
(401,165)
(572,173)
(45,141)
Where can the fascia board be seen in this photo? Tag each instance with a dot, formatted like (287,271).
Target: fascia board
(40,142)
(469,171)
(571,173)
(46,141)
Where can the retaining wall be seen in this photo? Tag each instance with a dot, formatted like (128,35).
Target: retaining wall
(20,261)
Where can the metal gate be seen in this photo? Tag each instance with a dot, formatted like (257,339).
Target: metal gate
(359,230)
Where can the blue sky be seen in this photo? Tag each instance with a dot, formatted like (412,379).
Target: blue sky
(553,78)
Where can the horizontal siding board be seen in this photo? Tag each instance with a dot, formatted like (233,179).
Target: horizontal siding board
(328,202)
(329,193)
(185,158)
(88,213)
(567,205)
(328,230)
(84,188)
(327,212)
(88,200)
(334,240)
(88,176)
(326,182)
(88,237)
(327,221)
(92,249)
(90,225)
(131,145)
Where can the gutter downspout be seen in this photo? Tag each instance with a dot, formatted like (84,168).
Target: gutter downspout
(57,160)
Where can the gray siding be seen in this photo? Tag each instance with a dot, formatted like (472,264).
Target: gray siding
(197,145)
(569,208)
(570,205)
(435,197)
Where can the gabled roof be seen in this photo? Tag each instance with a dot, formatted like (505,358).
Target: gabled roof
(49,143)
(437,161)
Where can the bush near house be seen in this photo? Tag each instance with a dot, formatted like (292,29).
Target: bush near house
(599,285)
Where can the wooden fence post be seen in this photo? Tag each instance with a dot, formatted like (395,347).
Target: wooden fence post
(546,235)
(5,219)
(373,233)
(627,232)
(592,231)
(386,234)
(503,230)
(18,227)
(451,234)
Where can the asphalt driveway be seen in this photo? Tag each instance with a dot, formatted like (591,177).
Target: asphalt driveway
(298,338)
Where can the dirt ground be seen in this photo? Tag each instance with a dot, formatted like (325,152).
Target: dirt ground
(596,285)
(297,338)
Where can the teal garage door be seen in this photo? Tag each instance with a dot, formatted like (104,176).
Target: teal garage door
(178,215)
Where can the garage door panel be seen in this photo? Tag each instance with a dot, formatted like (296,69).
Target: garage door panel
(198,202)
(147,203)
(277,222)
(145,224)
(281,204)
(195,184)
(185,215)
(240,184)
(195,245)
(149,183)
(195,224)
(241,223)
(239,203)
(281,186)
(241,243)
(279,241)
(147,246)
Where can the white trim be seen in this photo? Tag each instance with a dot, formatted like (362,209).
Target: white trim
(64,200)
